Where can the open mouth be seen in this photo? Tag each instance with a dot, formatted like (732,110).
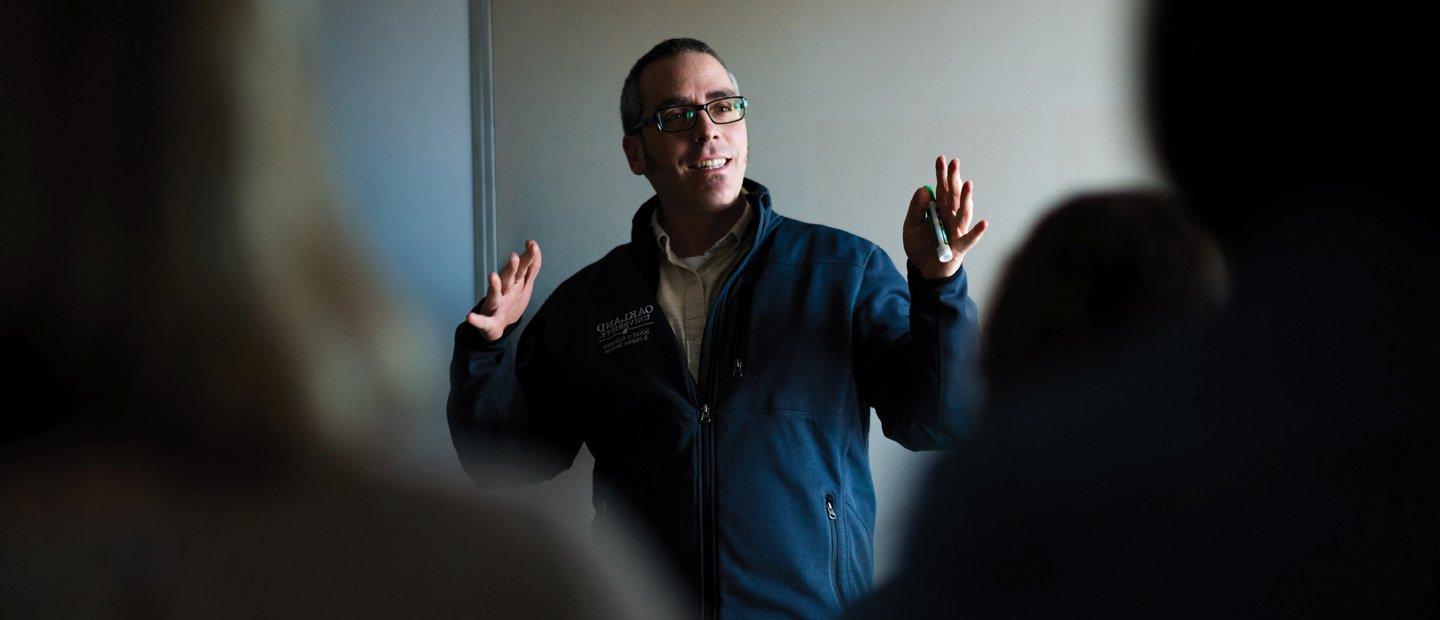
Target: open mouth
(714,163)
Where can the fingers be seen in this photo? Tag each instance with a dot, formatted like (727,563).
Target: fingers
(919,202)
(520,270)
(947,185)
(965,242)
(485,320)
(532,258)
(955,200)
(951,194)
(526,266)
(492,296)
(515,277)
(509,271)
(952,188)
(967,204)
(940,179)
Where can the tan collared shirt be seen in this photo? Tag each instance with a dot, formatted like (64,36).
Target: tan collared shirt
(688,285)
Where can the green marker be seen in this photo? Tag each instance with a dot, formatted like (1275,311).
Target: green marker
(942,240)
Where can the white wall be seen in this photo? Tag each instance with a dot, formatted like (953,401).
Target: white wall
(852,100)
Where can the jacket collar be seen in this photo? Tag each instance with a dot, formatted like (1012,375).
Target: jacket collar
(642,238)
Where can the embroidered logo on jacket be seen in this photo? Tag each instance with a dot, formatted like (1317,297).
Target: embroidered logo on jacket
(626,329)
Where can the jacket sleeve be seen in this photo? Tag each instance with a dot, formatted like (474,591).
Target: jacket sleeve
(507,409)
(917,354)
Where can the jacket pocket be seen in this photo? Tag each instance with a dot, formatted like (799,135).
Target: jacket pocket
(836,561)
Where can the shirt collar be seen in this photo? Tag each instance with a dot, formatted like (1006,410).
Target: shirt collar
(731,238)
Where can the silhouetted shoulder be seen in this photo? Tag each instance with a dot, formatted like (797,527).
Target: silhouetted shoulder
(322,544)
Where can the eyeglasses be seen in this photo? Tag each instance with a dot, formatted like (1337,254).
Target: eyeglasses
(682,117)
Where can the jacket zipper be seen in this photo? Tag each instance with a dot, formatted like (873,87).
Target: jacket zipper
(709,386)
(834,547)
(710,569)
(709,564)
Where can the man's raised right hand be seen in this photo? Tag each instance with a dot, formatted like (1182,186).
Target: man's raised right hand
(509,293)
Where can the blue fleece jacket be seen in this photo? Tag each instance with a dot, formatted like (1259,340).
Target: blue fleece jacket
(755,480)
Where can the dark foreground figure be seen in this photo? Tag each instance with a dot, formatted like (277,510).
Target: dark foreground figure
(1278,461)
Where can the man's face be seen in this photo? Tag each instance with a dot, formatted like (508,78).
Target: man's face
(681,165)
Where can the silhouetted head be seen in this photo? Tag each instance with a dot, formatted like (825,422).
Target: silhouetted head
(1248,101)
(1094,266)
(175,278)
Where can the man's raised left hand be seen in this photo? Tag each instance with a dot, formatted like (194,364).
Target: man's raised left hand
(954,202)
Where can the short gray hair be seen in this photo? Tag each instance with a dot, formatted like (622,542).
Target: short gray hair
(631,104)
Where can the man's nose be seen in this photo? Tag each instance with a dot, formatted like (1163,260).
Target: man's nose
(705,129)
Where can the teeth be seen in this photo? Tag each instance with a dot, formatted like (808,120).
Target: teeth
(709,164)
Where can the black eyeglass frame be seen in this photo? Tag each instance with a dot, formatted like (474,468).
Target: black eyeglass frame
(699,107)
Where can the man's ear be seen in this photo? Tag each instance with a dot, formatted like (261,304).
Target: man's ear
(634,146)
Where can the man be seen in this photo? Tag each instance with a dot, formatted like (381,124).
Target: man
(721,366)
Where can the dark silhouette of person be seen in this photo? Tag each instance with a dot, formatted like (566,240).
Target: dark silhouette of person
(175,283)
(1281,460)
(1095,267)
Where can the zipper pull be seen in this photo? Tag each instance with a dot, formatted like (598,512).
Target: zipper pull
(739,369)
(704,414)
(829,508)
